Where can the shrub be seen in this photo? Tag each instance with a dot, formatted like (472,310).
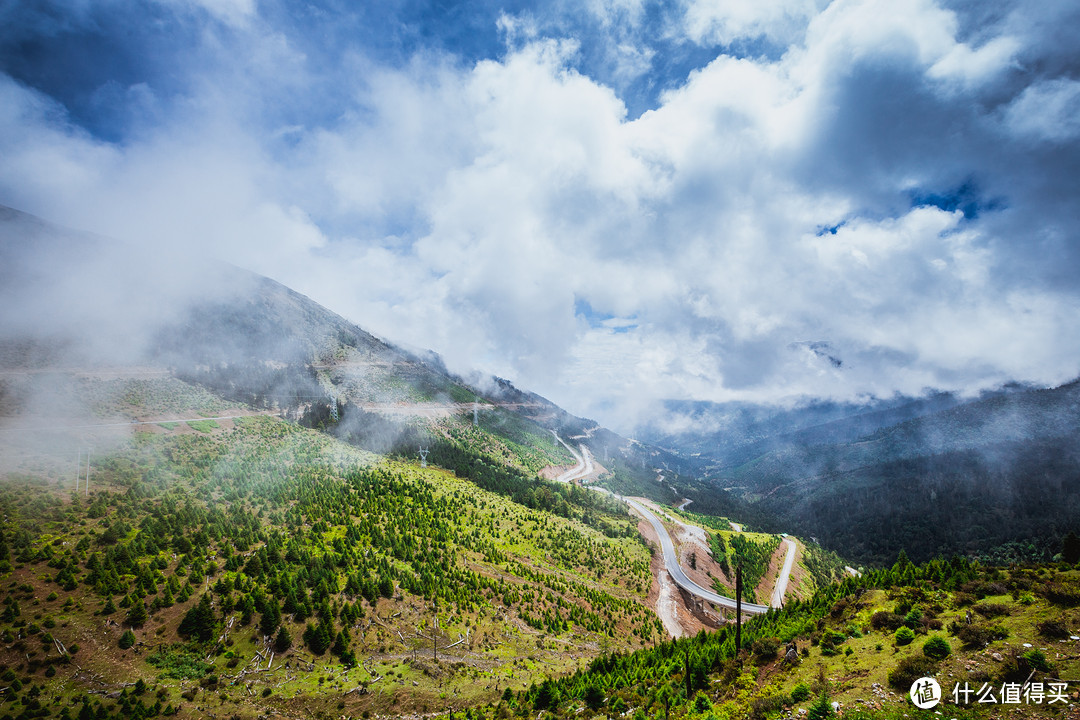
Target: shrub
(1036,660)
(1061,593)
(963,599)
(936,648)
(992,610)
(800,692)
(981,635)
(764,707)
(765,648)
(905,635)
(126,640)
(1054,629)
(911,669)
(179,663)
(829,641)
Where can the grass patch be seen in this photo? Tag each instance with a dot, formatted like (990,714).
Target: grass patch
(203,426)
(169,425)
(179,662)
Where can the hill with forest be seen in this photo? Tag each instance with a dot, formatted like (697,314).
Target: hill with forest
(250,565)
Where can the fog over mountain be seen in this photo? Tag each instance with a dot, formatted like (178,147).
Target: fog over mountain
(611,204)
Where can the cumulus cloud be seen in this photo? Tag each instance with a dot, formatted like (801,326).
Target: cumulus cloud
(726,21)
(1047,111)
(894,182)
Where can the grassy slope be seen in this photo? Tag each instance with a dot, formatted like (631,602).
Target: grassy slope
(843,654)
(582,592)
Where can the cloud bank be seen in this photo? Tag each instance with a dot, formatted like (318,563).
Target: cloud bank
(608,203)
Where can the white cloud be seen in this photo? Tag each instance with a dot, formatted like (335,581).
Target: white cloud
(237,13)
(763,206)
(974,67)
(1049,110)
(725,21)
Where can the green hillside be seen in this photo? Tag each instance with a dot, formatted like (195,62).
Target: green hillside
(861,643)
(248,566)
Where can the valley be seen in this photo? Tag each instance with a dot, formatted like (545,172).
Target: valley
(270,512)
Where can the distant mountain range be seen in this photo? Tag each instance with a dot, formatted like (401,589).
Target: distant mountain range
(997,475)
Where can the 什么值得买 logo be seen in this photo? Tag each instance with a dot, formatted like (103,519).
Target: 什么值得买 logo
(925,693)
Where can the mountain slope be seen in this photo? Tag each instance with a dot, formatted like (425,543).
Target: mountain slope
(861,644)
(997,475)
(214,519)
(279,526)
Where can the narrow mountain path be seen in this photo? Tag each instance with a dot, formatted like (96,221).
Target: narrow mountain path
(131,423)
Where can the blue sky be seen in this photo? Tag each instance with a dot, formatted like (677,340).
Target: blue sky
(609,202)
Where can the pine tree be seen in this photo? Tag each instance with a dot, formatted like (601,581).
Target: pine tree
(1070,548)
(247,610)
(821,709)
(283,641)
(137,615)
(271,618)
(341,643)
(126,640)
(199,622)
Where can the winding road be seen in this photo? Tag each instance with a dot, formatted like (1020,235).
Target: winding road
(671,562)
(781,581)
(584,466)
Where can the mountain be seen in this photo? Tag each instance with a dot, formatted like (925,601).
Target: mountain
(76,300)
(994,476)
(193,516)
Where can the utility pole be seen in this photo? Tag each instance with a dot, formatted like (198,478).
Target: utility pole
(78,471)
(87,472)
(738,607)
(333,408)
(423,457)
(475,414)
